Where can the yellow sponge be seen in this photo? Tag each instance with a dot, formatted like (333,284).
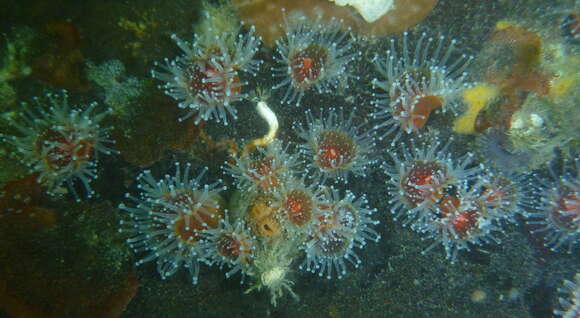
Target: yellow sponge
(476,99)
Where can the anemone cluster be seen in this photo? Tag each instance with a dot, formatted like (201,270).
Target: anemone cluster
(293,214)
(288,205)
(453,202)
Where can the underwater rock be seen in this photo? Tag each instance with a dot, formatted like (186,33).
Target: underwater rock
(145,137)
(77,267)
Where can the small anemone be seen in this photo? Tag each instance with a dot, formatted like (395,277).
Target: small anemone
(271,268)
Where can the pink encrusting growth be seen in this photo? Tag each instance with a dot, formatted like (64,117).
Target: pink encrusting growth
(313,55)
(344,225)
(167,220)
(206,80)
(417,79)
(60,143)
(334,146)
